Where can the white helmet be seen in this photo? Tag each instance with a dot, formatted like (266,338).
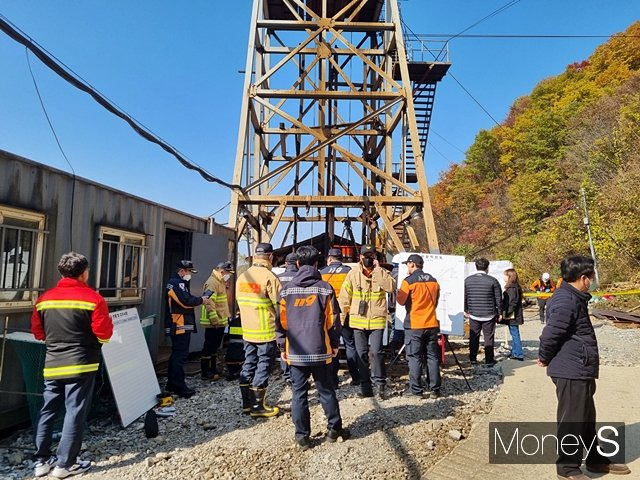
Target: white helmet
(545,277)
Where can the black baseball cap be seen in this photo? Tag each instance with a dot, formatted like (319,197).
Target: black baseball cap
(292,258)
(186,265)
(226,266)
(334,252)
(417,259)
(367,249)
(264,248)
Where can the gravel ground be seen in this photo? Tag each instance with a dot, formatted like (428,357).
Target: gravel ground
(399,437)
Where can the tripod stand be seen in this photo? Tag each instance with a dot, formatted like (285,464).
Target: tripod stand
(445,343)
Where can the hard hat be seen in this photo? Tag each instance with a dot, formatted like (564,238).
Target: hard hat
(546,276)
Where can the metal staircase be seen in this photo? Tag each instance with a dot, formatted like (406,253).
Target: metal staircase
(423,98)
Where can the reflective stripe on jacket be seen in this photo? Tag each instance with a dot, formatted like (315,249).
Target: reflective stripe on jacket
(335,275)
(257,292)
(74,322)
(308,322)
(181,316)
(372,291)
(216,315)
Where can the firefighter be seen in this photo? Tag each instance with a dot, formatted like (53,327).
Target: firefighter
(214,318)
(73,320)
(257,292)
(363,297)
(334,274)
(420,293)
(308,332)
(291,268)
(543,285)
(179,323)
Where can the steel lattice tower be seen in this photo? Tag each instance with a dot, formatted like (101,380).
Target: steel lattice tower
(327,85)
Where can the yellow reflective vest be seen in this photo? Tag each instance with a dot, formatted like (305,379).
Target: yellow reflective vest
(372,291)
(216,315)
(257,292)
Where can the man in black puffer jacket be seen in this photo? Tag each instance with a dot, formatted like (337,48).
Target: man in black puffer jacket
(569,350)
(482,305)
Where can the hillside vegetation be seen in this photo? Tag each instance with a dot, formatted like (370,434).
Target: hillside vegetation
(516,196)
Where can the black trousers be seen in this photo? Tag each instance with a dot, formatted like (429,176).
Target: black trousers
(576,416)
(362,339)
(542,306)
(179,354)
(419,342)
(488,330)
(323,378)
(351,352)
(212,340)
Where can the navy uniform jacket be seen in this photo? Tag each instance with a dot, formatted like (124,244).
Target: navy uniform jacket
(181,316)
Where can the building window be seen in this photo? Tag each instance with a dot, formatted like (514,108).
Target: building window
(21,255)
(121,256)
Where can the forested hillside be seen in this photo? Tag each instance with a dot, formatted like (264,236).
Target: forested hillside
(517,194)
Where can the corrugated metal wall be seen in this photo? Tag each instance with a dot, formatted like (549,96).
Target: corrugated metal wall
(31,186)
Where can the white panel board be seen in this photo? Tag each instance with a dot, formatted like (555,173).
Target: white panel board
(449,271)
(496,270)
(128,363)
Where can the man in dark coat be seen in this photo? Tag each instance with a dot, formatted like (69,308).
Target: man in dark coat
(569,350)
(482,305)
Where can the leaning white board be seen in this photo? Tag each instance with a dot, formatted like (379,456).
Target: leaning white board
(496,270)
(128,363)
(449,271)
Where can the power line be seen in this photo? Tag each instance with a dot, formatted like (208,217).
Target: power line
(516,35)
(445,140)
(506,6)
(55,135)
(438,151)
(455,79)
(74,79)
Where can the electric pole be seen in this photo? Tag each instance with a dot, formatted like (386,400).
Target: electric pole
(587,224)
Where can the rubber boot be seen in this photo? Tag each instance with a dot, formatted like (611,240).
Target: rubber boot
(260,408)
(205,368)
(488,356)
(248,398)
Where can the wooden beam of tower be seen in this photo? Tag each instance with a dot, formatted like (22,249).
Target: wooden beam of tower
(430,226)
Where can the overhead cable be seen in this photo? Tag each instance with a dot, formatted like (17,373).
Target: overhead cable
(68,75)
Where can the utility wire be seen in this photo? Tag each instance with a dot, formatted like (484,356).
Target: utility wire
(524,36)
(455,79)
(438,151)
(55,135)
(74,79)
(445,140)
(507,5)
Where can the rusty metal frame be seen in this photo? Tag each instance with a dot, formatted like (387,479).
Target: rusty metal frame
(294,142)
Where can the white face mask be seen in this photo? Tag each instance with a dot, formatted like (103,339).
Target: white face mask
(187,277)
(226,277)
(593,285)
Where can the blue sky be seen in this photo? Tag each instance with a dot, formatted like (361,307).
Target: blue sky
(174,66)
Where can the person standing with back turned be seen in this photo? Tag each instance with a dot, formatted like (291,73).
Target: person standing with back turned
(308,328)
(482,305)
(74,322)
(257,292)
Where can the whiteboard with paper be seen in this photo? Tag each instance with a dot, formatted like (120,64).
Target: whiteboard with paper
(129,366)
(496,270)
(449,271)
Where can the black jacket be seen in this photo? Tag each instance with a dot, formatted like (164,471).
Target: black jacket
(568,344)
(482,295)
(512,304)
(289,272)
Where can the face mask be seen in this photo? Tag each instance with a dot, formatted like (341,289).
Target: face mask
(187,277)
(226,277)
(367,262)
(593,285)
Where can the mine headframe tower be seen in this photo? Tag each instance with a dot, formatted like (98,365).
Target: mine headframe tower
(327,84)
